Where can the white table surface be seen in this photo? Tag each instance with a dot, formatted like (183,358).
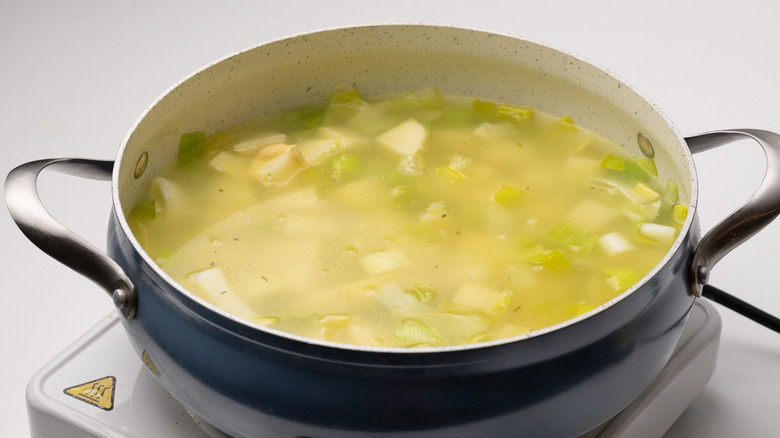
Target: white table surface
(74,75)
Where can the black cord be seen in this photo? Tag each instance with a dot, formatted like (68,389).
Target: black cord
(745,309)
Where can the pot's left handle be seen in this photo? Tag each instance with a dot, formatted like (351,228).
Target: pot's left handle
(24,203)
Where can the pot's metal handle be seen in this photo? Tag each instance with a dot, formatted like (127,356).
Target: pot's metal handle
(751,217)
(24,203)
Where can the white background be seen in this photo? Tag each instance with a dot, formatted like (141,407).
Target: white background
(74,75)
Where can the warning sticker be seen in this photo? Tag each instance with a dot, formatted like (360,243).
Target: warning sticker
(98,393)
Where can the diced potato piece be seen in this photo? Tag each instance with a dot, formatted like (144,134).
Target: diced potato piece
(213,283)
(615,243)
(436,210)
(362,194)
(394,298)
(259,141)
(383,261)
(229,162)
(328,143)
(406,138)
(481,298)
(277,164)
(591,215)
(317,150)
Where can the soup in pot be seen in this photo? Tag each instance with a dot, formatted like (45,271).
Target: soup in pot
(410,220)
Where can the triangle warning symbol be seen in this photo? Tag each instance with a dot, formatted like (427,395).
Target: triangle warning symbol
(98,393)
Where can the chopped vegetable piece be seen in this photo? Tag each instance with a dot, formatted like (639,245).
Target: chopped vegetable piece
(661,233)
(450,173)
(680,212)
(502,303)
(647,164)
(514,113)
(304,118)
(482,298)
(484,107)
(566,123)
(264,320)
(257,142)
(144,212)
(415,332)
(344,165)
(275,165)
(646,191)
(615,243)
(318,149)
(229,162)
(552,260)
(406,138)
(650,210)
(421,294)
(344,104)
(427,98)
(335,321)
(436,210)
(383,261)
(620,279)
(614,162)
(634,171)
(574,237)
(508,195)
(672,194)
(191,147)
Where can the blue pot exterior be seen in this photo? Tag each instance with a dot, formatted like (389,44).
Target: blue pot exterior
(248,381)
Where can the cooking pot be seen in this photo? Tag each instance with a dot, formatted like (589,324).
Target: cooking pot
(248,380)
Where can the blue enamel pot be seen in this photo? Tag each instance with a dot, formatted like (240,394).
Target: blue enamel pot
(253,381)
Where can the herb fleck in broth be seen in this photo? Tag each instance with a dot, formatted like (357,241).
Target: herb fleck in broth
(414,220)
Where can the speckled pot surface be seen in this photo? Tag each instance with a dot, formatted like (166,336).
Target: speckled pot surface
(252,381)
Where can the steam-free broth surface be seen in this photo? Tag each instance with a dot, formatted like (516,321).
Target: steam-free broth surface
(412,220)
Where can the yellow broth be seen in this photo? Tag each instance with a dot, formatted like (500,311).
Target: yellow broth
(414,220)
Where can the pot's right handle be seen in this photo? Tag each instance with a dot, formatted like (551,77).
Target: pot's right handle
(24,204)
(751,217)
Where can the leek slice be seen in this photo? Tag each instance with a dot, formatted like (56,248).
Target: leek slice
(191,147)
(417,332)
(514,113)
(335,321)
(574,237)
(620,279)
(450,173)
(421,294)
(508,195)
(672,194)
(344,165)
(484,107)
(144,212)
(658,232)
(551,260)
(680,212)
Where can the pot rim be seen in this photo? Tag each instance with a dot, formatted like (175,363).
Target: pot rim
(246,324)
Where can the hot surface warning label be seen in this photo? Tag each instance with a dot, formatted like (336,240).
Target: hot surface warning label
(98,393)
